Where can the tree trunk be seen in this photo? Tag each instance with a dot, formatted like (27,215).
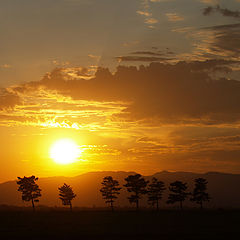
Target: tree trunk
(180,204)
(201,205)
(70,206)
(33,205)
(112,205)
(137,205)
(157,205)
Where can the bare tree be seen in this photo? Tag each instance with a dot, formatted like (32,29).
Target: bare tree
(66,194)
(110,189)
(29,189)
(178,193)
(137,185)
(155,191)
(199,194)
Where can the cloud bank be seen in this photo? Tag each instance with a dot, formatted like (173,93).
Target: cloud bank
(167,93)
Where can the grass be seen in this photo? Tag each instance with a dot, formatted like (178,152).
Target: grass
(166,224)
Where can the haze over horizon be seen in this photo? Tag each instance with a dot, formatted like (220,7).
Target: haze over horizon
(140,85)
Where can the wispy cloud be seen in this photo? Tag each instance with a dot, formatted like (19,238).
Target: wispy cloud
(146,12)
(151,21)
(174,17)
(219,41)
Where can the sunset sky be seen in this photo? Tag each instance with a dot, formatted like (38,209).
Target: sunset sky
(138,85)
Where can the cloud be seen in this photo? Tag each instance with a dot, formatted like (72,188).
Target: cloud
(223,11)
(184,147)
(148,53)
(174,115)
(183,30)
(147,56)
(219,41)
(160,93)
(146,12)
(227,38)
(174,17)
(154,53)
(80,72)
(8,100)
(151,21)
(48,109)
(94,56)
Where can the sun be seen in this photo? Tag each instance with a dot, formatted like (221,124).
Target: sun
(65,151)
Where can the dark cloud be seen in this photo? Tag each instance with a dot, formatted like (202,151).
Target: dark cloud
(148,53)
(208,10)
(147,56)
(179,93)
(224,11)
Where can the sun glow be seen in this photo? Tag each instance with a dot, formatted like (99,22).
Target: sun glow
(65,151)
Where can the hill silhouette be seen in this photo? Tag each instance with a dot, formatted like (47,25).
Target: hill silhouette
(222,187)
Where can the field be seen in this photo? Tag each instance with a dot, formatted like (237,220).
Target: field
(166,224)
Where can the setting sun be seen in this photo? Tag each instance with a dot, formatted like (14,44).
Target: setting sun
(65,151)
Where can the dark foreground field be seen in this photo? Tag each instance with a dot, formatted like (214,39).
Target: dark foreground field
(123,225)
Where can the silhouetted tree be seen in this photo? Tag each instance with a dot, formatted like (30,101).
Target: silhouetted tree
(199,194)
(29,189)
(66,194)
(155,191)
(137,185)
(110,190)
(178,193)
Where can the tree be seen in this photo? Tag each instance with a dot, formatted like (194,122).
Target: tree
(29,189)
(137,185)
(178,193)
(66,194)
(110,190)
(199,194)
(155,191)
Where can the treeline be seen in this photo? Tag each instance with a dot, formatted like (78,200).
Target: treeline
(136,185)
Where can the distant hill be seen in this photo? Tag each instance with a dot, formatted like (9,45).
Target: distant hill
(223,189)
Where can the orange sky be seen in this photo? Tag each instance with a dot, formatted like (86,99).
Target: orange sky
(142,86)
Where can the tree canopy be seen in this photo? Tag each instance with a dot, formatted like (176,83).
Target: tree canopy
(199,194)
(155,191)
(110,189)
(136,184)
(29,189)
(66,195)
(178,192)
